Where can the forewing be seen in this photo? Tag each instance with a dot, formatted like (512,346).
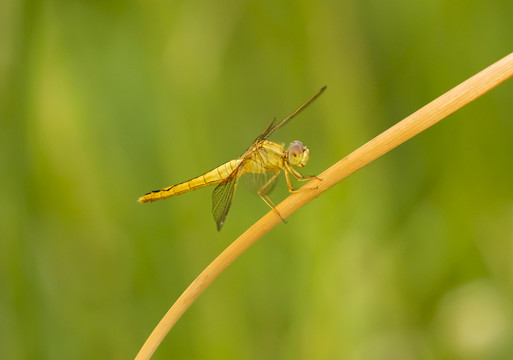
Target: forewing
(266,133)
(272,128)
(222,197)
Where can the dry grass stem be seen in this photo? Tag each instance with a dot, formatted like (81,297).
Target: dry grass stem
(417,122)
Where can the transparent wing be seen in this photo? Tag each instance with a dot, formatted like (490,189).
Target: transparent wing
(272,128)
(260,180)
(223,194)
(261,183)
(222,197)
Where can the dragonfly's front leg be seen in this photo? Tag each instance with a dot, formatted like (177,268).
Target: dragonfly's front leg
(299,178)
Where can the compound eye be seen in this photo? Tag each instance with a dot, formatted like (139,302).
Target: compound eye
(296,150)
(296,147)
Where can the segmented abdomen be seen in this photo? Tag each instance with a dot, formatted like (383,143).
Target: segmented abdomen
(212,177)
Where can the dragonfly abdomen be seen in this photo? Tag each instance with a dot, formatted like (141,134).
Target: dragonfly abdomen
(212,177)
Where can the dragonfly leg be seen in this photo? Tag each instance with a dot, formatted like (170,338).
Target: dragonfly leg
(269,182)
(269,202)
(266,198)
(301,177)
(289,184)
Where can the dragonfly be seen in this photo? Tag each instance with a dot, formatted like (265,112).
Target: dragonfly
(263,161)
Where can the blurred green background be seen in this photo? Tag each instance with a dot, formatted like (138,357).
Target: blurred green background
(410,258)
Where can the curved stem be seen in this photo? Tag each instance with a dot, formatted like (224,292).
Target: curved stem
(417,122)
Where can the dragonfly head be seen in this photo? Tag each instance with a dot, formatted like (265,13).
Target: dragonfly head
(298,154)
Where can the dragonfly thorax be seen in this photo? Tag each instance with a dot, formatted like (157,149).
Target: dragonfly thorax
(298,154)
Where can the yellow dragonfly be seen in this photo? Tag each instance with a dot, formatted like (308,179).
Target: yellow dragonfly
(264,160)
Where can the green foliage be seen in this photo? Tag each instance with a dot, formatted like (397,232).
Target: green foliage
(100,102)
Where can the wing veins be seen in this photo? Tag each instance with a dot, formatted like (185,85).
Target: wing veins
(271,128)
(222,196)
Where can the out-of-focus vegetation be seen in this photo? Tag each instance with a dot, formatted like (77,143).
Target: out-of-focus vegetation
(410,258)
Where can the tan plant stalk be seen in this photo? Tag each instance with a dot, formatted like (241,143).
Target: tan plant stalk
(417,122)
